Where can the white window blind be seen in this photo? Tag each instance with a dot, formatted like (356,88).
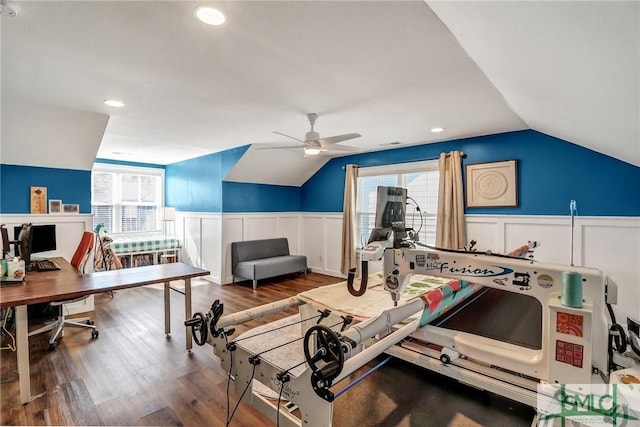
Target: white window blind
(127,199)
(421,179)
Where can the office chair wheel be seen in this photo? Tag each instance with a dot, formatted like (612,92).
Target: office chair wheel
(95,333)
(52,346)
(89,322)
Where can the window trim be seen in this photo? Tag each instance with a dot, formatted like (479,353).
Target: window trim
(134,170)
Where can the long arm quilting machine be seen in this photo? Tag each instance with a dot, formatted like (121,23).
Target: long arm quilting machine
(308,360)
(335,347)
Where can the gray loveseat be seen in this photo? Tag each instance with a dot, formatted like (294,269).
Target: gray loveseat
(262,259)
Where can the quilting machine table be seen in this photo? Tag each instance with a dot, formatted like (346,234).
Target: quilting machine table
(69,283)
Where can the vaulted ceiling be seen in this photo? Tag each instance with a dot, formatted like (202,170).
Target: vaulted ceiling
(389,70)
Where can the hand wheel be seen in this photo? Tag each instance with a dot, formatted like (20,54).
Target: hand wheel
(328,349)
(199,329)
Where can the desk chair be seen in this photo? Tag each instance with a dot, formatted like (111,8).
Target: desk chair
(79,261)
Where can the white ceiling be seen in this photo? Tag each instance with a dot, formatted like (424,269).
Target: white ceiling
(388,70)
(569,69)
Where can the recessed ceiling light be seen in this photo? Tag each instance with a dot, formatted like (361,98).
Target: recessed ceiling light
(209,15)
(114,103)
(437,130)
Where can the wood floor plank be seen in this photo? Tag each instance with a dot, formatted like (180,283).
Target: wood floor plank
(132,374)
(161,417)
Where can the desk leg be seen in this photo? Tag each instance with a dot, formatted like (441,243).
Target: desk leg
(187,311)
(22,338)
(167,309)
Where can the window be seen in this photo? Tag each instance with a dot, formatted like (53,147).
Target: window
(126,199)
(421,179)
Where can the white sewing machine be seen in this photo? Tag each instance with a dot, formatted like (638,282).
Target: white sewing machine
(572,342)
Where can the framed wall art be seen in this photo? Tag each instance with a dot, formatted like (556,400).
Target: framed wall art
(55,206)
(70,209)
(493,184)
(38,196)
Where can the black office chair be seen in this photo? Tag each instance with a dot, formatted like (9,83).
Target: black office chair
(79,261)
(634,335)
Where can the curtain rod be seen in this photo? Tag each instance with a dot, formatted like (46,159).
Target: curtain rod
(395,163)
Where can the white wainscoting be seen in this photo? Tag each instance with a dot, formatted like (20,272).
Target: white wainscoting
(322,242)
(69,229)
(207,237)
(610,244)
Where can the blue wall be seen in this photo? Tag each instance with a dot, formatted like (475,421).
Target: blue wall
(243,197)
(69,185)
(195,185)
(551,173)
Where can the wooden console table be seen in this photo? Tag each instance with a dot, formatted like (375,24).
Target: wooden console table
(69,283)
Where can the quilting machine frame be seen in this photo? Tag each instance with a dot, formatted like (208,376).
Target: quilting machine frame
(333,356)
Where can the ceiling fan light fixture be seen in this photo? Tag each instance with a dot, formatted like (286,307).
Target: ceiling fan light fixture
(311,151)
(209,15)
(437,130)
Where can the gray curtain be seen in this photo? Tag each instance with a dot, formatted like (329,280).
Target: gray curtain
(450,224)
(348,259)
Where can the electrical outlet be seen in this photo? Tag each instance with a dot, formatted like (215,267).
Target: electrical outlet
(320,258)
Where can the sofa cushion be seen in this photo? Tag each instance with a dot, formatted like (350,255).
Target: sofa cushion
(271,267)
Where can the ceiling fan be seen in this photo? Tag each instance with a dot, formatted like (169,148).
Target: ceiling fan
(313,144)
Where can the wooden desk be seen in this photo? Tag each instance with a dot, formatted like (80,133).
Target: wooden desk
(69,283)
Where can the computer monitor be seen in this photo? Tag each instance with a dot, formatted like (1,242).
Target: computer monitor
(43,238)
(34,239)
(390,214)
(391,207)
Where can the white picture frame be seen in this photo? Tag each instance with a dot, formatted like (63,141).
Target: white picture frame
(493,184)
(55,206)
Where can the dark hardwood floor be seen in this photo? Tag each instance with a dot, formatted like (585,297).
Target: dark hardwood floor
(132,375)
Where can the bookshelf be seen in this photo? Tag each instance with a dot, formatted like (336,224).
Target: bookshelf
(140,259)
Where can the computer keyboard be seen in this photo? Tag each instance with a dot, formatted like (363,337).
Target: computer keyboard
(45,265)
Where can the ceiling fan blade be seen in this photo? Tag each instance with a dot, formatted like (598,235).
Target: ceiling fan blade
(330,140)
(276,147)
(288,136)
